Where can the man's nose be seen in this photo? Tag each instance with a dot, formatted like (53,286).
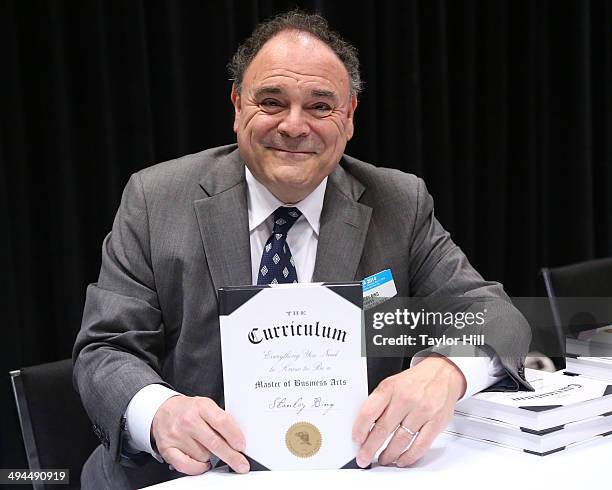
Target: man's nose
(294,124)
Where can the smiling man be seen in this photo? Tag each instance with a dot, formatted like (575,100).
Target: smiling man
(147,359)
(294,114)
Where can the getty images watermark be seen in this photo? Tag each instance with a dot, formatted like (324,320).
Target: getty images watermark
(413,320)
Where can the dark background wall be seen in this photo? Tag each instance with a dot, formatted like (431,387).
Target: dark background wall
(504,107)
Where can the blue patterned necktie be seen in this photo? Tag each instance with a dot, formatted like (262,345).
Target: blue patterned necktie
(277,265)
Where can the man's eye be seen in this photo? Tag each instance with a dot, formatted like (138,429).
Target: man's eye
(321,108)
(271,105)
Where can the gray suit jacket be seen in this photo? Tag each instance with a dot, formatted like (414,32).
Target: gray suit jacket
(181,233)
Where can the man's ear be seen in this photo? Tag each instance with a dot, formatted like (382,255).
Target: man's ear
(236,102)
(350,123)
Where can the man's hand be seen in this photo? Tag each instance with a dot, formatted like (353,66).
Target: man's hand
(186,430)
(421,399)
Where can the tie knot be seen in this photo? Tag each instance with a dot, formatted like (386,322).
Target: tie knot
(284,218)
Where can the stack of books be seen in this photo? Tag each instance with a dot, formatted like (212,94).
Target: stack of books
(563,411)
(590,353)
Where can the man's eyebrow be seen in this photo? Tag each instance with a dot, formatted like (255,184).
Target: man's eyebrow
(274,90)
(267,90)
(324,93)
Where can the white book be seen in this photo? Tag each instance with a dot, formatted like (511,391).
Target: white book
(523,450)
(541,443)
(591,343)
(557,400)
(595,367)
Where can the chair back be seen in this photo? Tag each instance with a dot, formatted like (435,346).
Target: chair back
(56,430)
(575,283)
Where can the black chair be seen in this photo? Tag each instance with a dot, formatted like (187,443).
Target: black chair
(56,430)
(580,295)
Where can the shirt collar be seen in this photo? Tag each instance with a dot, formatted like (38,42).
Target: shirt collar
(262,203)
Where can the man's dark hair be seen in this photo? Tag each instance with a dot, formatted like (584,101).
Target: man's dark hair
(295,20)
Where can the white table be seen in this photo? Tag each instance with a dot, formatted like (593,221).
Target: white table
(452,462)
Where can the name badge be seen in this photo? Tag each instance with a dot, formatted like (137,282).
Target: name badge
(378,288)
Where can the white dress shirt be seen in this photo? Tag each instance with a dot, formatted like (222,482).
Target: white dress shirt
(479,371)
(302,237)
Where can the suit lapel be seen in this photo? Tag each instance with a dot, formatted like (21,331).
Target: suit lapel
(343,228)
(224,223)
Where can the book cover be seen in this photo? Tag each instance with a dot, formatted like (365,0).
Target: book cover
(293,373)
(558,399)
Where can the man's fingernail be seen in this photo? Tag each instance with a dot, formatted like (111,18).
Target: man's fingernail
(362,462)
(243,468)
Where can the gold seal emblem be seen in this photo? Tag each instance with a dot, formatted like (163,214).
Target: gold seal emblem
(303,439)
